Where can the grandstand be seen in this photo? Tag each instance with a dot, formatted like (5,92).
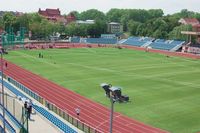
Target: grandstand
(170,45)
(161,44)
(137,41)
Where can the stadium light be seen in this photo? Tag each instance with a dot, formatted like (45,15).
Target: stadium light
(114,93)
(2,85)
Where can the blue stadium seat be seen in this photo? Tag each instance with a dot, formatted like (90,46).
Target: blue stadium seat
(12,118)
(53,119)
(1,129)
(7,124)
(157,44)
(165,44)
(101,40)
(137,41)
(75,39)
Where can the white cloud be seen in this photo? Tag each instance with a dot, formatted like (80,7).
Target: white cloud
(168,6)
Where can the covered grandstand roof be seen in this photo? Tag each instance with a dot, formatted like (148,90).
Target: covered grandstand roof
(190,33)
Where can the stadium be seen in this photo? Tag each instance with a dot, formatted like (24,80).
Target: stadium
(110,83)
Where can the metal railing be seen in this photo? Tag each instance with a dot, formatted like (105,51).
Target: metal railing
(15,112)
(52,107)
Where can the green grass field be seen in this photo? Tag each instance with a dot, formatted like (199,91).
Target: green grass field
(164,92)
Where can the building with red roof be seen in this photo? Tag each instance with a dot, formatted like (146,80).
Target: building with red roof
(70,18)
(195,27)
(50,14)
(55,16)
(191,21)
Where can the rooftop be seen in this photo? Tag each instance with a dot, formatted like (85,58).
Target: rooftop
(50,12)
(113,23)
(192,21)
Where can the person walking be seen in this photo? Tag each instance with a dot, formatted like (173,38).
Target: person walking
(25,105)
(77,110)
(39,55)
(26,108)
(29,109)
(6,64)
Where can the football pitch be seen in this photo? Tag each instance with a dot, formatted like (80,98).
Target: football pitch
(164,91)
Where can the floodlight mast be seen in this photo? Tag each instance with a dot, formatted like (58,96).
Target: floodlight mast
(115,95)
(110,92)
(112,101)
(2,85)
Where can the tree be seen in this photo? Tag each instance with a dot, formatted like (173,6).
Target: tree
(124,21)
(160,34)
(74,29)
(114,15)
(155,27)
(172,22)
(1,23)
(176,32)
(160,24)
(82,30)
(35,17)
(21,21)
(197,15)
(132,27)
(139,15)
(8,20)
(95,30)
(155,13)
(44,29)
(141,30)
(184,14)
(138,22)
(76,14)
(71,29)
(92,14)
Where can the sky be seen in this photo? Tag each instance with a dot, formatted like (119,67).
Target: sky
(168,6)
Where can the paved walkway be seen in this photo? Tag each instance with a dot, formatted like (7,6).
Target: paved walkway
(39,124)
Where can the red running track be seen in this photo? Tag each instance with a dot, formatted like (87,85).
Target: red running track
(92,113)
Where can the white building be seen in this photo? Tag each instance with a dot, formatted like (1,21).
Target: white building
(114,27)
(85,22)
